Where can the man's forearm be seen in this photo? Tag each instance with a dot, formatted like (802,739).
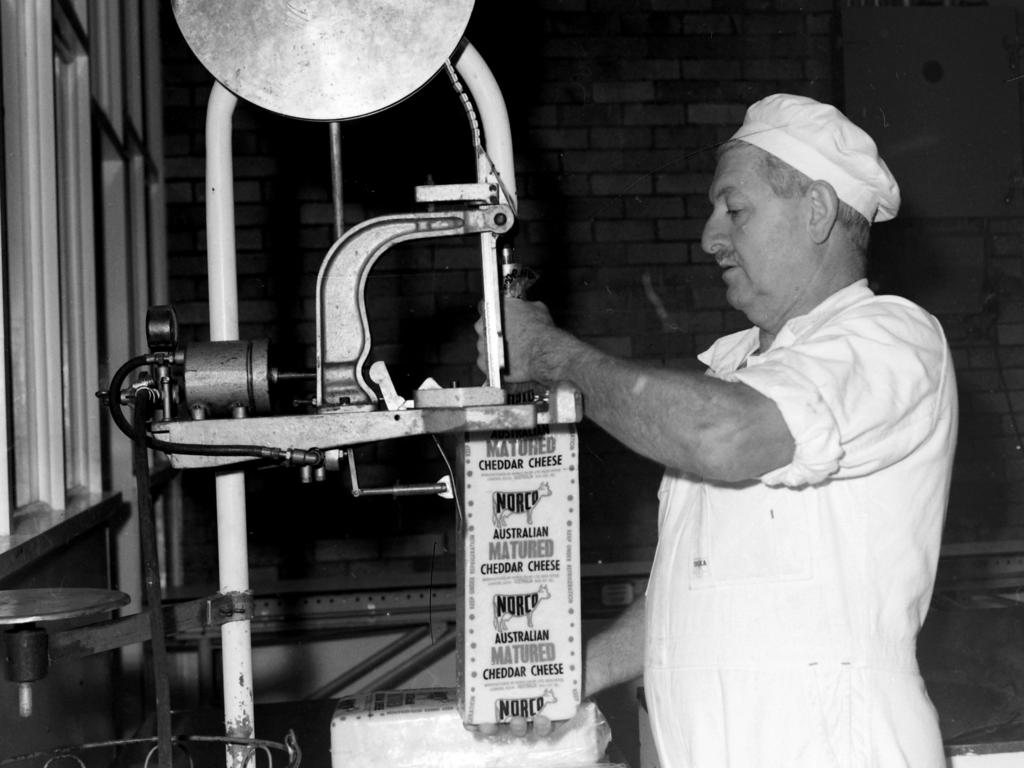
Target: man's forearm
(681,419)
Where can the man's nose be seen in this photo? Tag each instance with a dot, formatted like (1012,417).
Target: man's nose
(712,239)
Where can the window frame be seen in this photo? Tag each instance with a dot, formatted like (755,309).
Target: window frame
(81,95)
(77,256)
(33,319)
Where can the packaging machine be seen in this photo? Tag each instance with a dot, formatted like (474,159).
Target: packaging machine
(209,404)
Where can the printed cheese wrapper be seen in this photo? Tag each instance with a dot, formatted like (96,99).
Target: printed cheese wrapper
(518,570)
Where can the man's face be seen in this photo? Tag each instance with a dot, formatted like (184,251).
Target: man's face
(760,240)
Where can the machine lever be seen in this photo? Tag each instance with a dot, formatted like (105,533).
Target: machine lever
(442,488)
(380,376)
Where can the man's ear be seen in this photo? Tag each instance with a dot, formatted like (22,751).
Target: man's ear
(824,210)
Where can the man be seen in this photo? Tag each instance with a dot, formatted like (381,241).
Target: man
(807,472)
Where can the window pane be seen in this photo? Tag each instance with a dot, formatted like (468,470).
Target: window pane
(34,332)
(77,285)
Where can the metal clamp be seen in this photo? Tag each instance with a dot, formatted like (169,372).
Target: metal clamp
(343,333)
(227,607)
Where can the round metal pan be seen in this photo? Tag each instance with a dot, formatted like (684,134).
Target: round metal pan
(323,59)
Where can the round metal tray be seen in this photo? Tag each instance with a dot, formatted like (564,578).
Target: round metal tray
(323,59)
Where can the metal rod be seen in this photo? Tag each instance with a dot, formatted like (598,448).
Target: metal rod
(151,570)
(294,376)
(493,333)
(423,489)
(337,188)
(25,700)
(232,531)
(357,671)
(174,524)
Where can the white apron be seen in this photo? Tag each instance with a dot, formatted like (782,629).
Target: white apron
(782,614)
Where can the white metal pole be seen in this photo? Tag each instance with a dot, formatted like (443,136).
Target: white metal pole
(232,542)
(498,141)
(493,115)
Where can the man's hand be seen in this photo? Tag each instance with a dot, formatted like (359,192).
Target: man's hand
(528,328)
(517,727)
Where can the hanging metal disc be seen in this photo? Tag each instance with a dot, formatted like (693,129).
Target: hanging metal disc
(323,59)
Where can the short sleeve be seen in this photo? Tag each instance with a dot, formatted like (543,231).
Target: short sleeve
(858,394)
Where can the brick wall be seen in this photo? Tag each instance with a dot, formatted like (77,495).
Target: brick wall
(615,107)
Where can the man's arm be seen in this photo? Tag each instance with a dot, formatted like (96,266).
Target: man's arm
(682,419)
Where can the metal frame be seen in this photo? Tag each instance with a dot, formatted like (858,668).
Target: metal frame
(324,609)
(981,574)
(34,332)
(223,291)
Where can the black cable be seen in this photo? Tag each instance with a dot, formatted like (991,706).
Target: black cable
(311,457)
(114,393)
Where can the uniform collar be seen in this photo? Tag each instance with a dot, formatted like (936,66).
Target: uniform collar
(733,351)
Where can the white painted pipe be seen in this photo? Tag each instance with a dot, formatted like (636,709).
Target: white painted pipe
(220,216)
(498,141)
(232,531)
(493,113)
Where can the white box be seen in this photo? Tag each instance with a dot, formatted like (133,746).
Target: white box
(422,729)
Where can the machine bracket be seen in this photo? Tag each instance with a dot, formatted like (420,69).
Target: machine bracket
(195,615)
(327,431)
(343,332)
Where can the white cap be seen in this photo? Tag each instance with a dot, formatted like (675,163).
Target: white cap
(822,143)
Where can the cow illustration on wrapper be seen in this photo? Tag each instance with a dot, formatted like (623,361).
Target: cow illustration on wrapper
(508,503)
(528,707)
(517,606)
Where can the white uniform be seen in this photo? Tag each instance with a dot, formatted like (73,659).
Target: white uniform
(782,614)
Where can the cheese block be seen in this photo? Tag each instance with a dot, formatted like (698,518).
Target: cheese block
(422,729)
(518,573)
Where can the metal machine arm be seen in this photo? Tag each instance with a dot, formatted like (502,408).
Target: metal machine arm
(343,334)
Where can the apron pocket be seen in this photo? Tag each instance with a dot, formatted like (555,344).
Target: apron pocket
(751,535)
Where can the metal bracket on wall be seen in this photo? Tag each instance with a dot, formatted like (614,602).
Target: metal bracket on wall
(982,573)
(198,615)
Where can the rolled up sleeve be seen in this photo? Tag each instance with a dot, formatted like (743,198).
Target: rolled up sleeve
(857,396)
(816,435)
